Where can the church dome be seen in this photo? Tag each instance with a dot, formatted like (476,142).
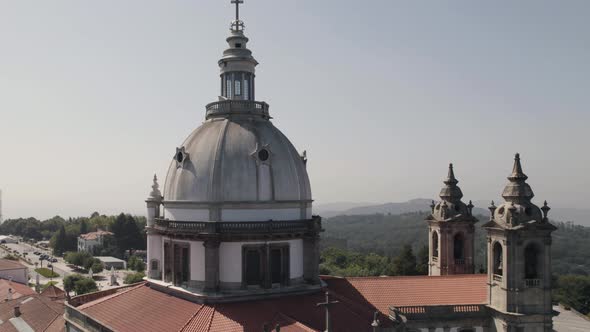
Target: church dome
(237,158)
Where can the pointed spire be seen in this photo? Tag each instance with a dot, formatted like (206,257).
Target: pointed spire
(517,173)
(545,210)
(470,207)
(492,209)
(451,176)
(517,190)
(155,194)
(451,192)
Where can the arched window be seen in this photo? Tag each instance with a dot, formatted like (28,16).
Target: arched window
(434,244)
(238,91)
(532,262)
(498,259)
(458,247)
(246,90)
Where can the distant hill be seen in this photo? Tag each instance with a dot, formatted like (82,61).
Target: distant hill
(578,216)
(414,205)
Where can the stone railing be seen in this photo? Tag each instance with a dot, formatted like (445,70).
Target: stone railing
(428,312)
(241,227)
(532,283)
(227,107)
(497,277)
(459,261)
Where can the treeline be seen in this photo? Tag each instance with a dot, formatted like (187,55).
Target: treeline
(372,245)
(385,235)
(341,262)
(128,232)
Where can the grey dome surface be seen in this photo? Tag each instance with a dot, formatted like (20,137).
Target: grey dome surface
(222,164)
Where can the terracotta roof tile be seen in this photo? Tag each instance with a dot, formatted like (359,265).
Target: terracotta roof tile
(94,235)
(8,264)
(383,292)
(39,312)
(145,309)
(18,290)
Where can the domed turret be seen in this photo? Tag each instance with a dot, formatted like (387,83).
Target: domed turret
(518,208)
(236,217)
(451,231)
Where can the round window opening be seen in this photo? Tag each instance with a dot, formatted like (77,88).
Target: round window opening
(263,155)
(179,157)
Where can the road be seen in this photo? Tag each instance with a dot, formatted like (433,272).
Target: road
(60,267)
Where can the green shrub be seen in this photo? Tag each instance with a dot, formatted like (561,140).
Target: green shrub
(134,278)
(47,273)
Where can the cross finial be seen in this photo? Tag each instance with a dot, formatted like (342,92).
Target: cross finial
(327,306)
(237,25)
(237,3)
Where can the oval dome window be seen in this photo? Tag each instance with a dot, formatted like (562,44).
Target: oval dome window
(263,155)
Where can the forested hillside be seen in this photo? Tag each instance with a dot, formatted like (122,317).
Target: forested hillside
(386,235)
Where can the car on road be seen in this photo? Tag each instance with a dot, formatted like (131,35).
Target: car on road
(49,265)
(37,253)
(54,260)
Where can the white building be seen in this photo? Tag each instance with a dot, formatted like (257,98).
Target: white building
(87,242)
(13,270)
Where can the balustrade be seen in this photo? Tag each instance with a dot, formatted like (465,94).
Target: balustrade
(271,226)
(237,107)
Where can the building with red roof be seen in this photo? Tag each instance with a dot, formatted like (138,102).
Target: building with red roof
(233,245)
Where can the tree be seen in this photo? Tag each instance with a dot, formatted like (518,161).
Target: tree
(574,291)
(404,264)
(422,265)
(70,282)
(58,241)
(133,278)
(83,227)
(79,284)
(94,214)
(84,286)
(79,258)
(135,263)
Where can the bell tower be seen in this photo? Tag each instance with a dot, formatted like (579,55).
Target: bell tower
(519,258)
(451,231)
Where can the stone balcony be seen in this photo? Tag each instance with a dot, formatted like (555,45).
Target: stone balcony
(237,107)
(243,228)
(436,311)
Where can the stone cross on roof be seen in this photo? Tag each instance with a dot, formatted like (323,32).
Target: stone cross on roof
(327,305)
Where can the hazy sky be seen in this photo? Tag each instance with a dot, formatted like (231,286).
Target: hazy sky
(96,95)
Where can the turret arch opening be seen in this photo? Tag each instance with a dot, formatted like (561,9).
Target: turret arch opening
(498,259)
(532,261)
(435,244)
(459,248)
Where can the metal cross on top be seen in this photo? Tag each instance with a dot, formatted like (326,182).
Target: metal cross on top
(238,3)
(327,306)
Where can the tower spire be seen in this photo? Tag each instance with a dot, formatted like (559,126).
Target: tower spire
(517,190)
(451,192)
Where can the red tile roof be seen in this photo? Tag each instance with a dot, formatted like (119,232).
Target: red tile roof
(94,235)
(39,312)
(383,292)
(8,264)
(142,308)
(18,290)
(53,292)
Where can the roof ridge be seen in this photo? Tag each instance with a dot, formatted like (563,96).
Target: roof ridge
(412,277)
(112,296)
(191,318)
(211,319)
